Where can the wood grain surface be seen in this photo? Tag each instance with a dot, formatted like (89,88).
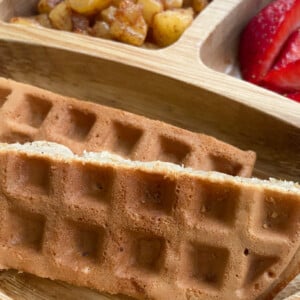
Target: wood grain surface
(187,84)
(22,286)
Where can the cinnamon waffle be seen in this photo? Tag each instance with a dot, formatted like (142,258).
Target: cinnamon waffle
(28,114)
(149,230)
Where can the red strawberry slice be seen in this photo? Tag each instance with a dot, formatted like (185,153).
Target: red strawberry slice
(285,74)
(290,52)
(285,79)
(294,96)
(264,36)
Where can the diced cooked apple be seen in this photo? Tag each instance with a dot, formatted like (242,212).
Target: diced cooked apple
(45,6)
(150,8)
(199,5)
(170,4)
(89,7)
(43,19)
(109,14)
(61,17)
(101,29)
(158,23)
(129,25)
(169,25)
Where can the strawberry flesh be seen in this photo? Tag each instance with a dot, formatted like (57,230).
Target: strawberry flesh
(286,79)
(294,96)
(285,74)
(290,51)
(265,35)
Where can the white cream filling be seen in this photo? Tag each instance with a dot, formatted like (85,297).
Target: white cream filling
(60,152)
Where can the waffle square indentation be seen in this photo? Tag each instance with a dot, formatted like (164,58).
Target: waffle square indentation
(12,136)
(90,185)
(148,253)
(124,138)
(33,111)
(4,93)
(173,150)
(217,203)
(278,214)
(78,124)
(25,229)
(144,253)
(82,243)
(224,165)
(204,266)
(259,265)
(151,193)
(31,176)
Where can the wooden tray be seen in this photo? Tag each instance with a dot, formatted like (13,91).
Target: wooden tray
(193,84)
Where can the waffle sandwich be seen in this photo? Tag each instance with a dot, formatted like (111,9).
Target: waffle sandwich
(148,230)
(29,114)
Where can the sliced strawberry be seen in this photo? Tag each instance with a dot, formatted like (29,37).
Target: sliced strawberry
(285,74)
(290,51)
(264,36)
(285,79)
(294,96)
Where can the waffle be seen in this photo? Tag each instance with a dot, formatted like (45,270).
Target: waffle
(148,230)
(29,114)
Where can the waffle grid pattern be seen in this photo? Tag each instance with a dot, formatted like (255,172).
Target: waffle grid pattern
(28,114)
(143,234)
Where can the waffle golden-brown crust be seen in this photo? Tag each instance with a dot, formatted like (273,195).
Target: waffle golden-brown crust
(28,114)
(150,233)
